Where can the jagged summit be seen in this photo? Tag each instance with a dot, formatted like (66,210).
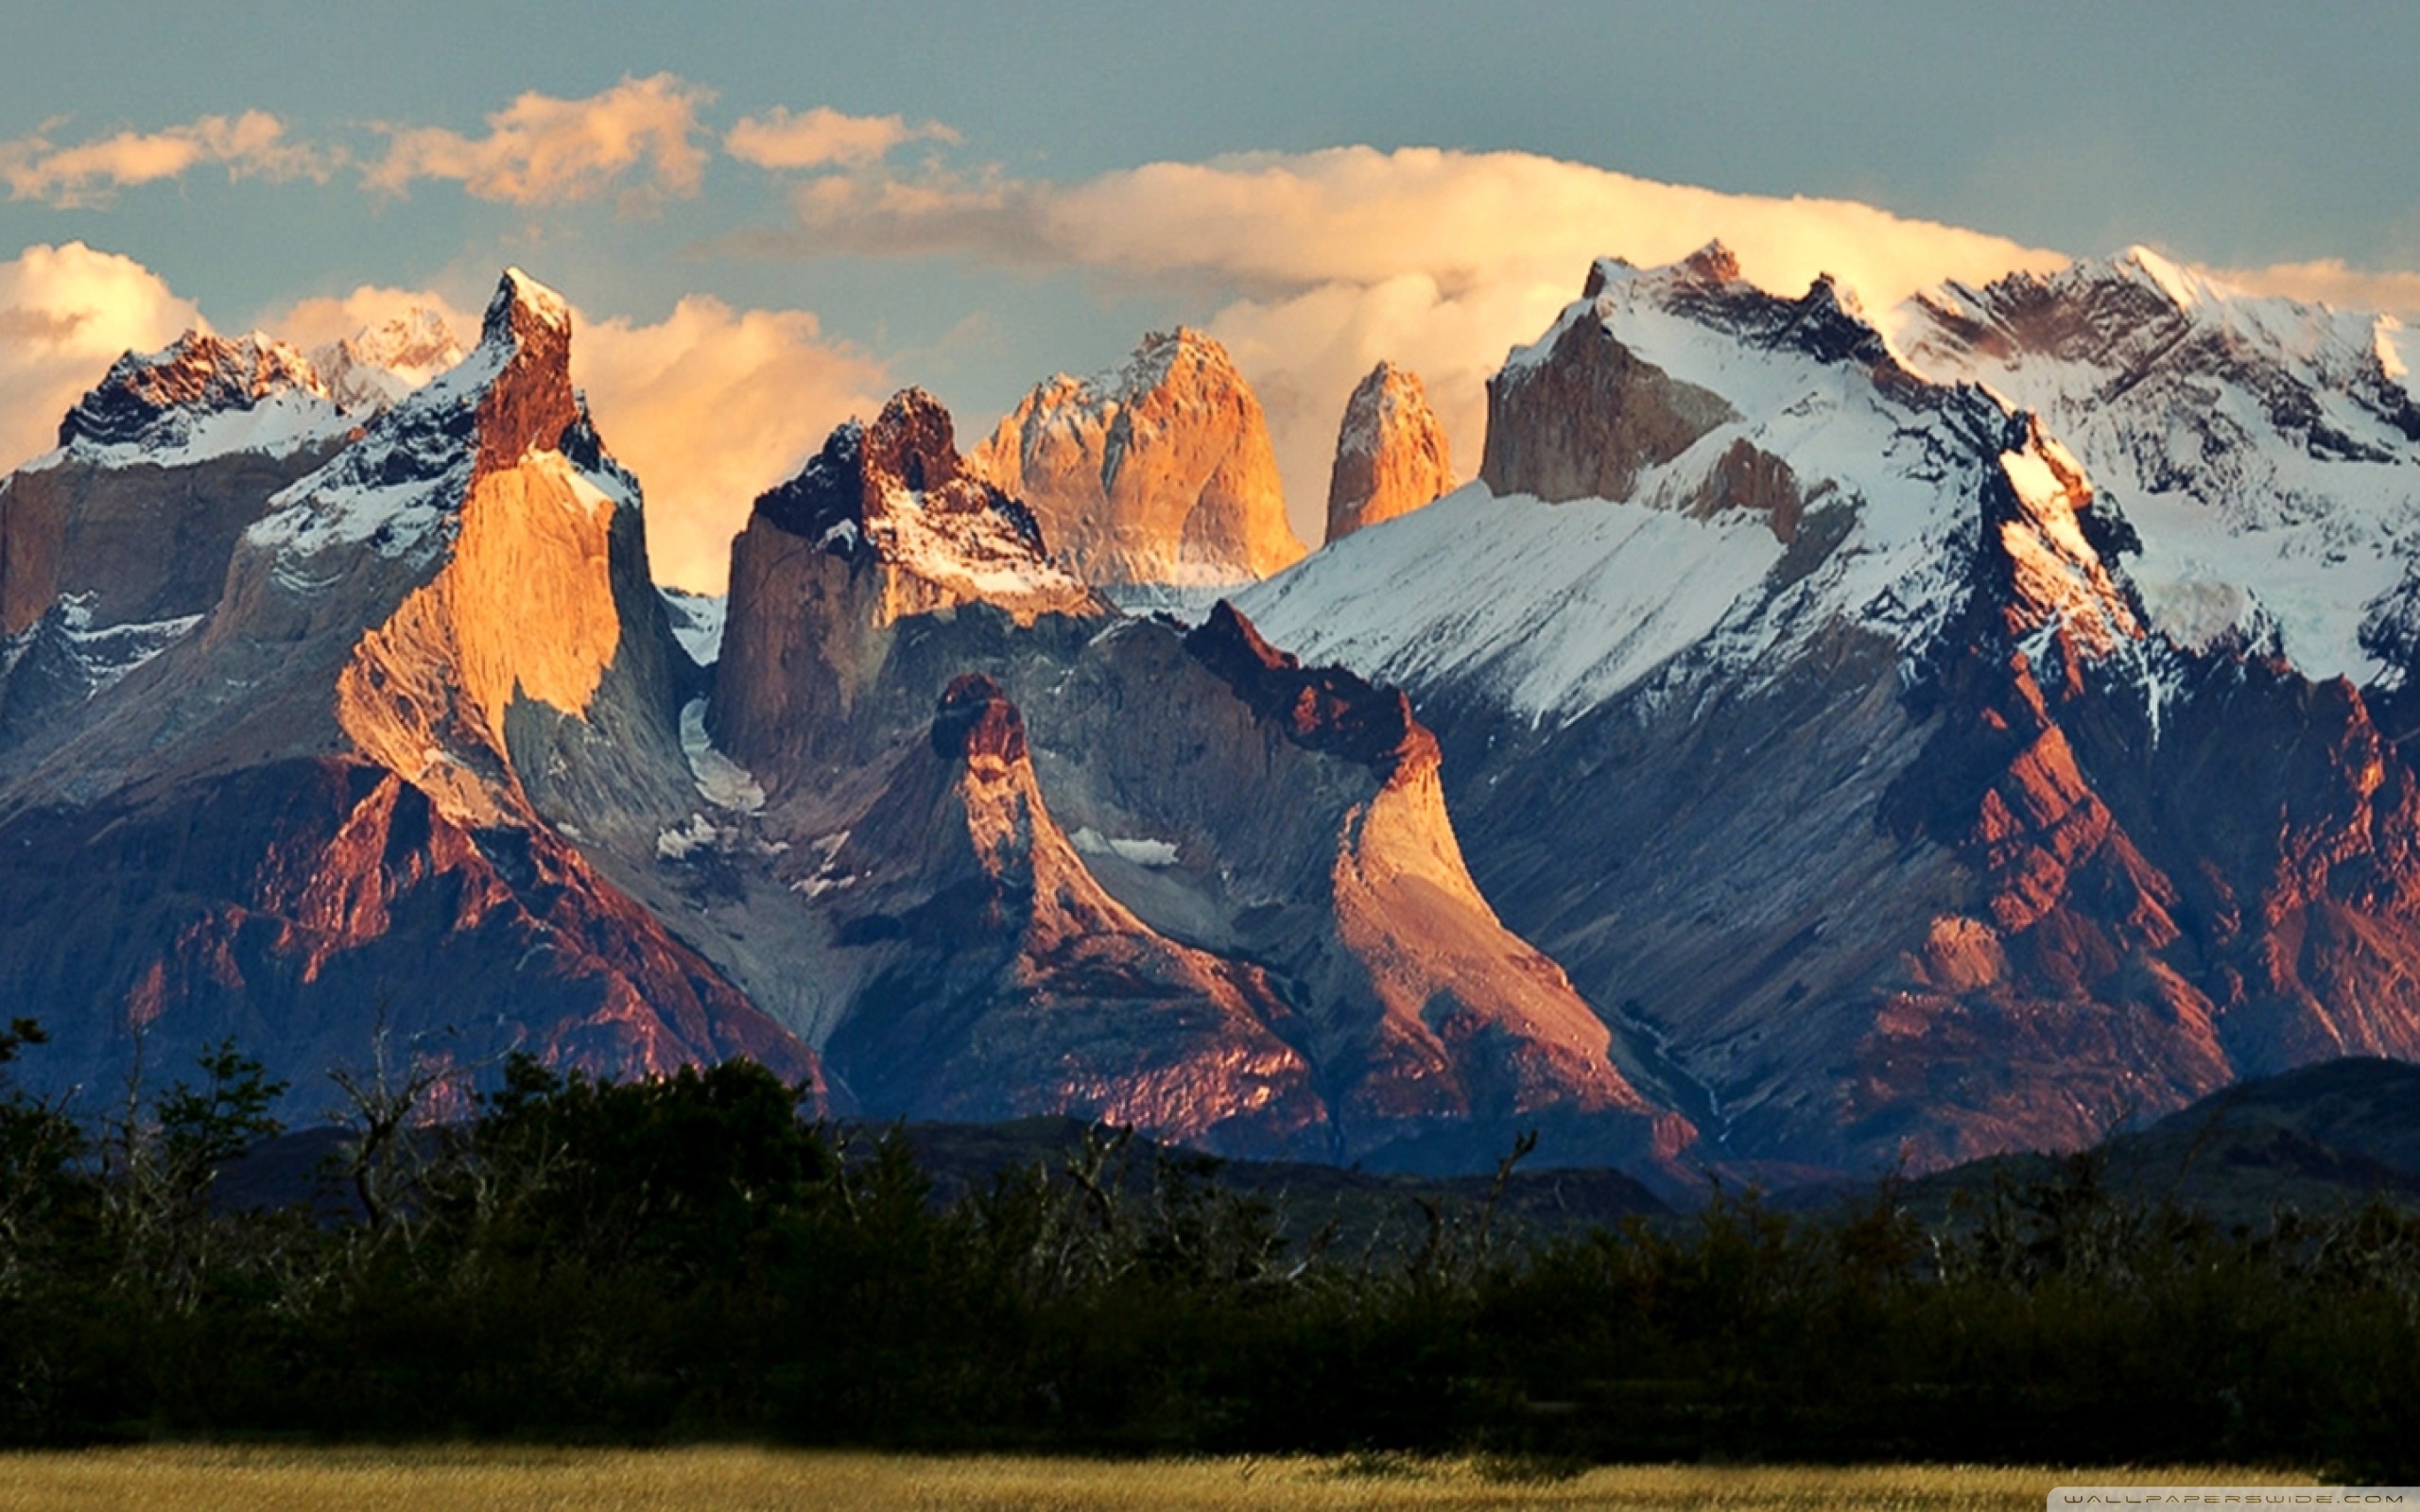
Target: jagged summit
(399,487)
(1392,456)
(2262,446)
(895,492)
(1756,470)
(378,365)
(1159,472)
(202,395)
(1322,709)
(883,526)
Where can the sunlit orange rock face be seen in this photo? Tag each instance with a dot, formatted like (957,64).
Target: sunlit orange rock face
(331,808)
(1159,473)
(1429,1010)
(1392,456)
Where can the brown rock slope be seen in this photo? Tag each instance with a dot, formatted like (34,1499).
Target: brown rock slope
(1010,984)
(1159,473)
(1309,831)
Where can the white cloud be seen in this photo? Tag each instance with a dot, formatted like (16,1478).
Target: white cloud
(88,173)
(1318,263)
(541,151)
(66,313)
(823,136)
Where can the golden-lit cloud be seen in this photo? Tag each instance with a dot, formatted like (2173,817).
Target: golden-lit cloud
(1318,263)
(2395,292)
(710,406)
(541,151)
(66,313)
(88,173)
(823,136)
(315,322)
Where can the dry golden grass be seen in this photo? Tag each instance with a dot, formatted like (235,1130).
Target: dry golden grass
(187,1479)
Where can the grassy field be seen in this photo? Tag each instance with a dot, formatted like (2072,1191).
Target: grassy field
(694,1480)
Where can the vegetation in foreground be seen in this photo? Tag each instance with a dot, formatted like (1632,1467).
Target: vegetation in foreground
(439,1478)
(685,1259)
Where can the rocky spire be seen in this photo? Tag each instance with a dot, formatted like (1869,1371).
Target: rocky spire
(1160,473)
(1392,456)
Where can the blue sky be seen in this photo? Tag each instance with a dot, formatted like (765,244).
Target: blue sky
(1005,233)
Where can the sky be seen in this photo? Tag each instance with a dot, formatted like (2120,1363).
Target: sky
(769,216)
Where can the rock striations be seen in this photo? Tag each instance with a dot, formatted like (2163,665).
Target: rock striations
(1391,452)
(1159,473)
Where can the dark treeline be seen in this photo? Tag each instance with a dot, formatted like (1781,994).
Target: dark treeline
(687,1258)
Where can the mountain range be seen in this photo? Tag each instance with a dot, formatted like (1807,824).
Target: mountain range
(1812,742)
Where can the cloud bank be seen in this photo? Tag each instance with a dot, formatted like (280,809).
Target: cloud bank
(2330,281)
(710,406)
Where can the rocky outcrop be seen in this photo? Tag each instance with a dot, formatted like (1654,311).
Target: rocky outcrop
(1009,983)
(1161,472)
(1392,456)
(117,544)
(884,525)
(1580,415)
(172,400)
(160,468)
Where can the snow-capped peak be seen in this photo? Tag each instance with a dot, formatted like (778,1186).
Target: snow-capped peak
(2184,287)
(897,493)
(399,485)
(2265,450)
(380,364)
(519,294)
(1688,477)
(201,395)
